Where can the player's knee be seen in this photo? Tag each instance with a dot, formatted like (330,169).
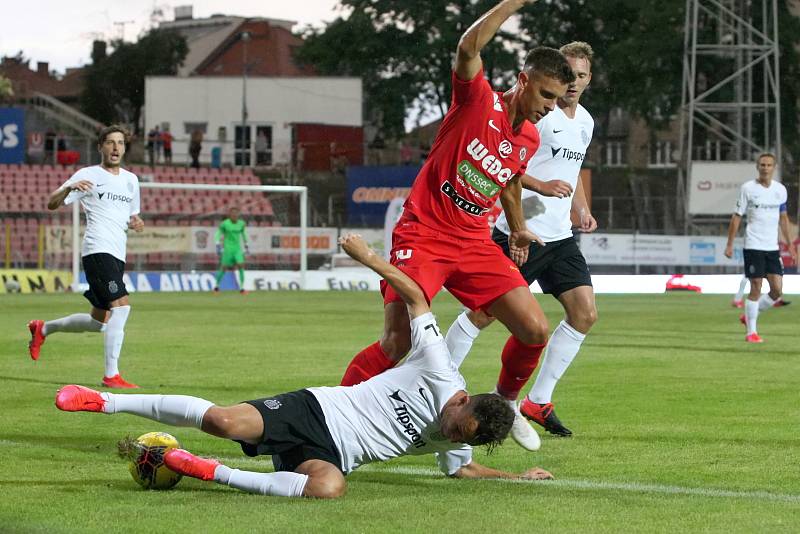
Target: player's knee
(219,422)
(534,332)
(325,487)
(395,345)
(585,320)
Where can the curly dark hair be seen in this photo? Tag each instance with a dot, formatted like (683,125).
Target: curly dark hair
(105,132)
(550,62)
(494,417)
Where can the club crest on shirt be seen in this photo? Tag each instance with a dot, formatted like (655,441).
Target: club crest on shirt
(112,287)
(522,153)
(584,137)
(505,148)
(272,404)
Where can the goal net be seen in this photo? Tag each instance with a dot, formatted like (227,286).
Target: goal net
(182,212)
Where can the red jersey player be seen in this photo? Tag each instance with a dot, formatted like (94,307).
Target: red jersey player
(480,151)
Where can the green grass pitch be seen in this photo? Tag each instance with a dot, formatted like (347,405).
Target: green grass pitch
(680,426)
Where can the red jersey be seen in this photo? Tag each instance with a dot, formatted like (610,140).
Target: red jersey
(474,156)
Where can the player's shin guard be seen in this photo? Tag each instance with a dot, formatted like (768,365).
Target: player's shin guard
(114,336)
(77,322)
(460,337)
(281,483)
(562,348)
(369,362)
(175,410)
(519,362)
(765,302)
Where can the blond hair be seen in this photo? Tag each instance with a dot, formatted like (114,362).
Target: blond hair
(578,49)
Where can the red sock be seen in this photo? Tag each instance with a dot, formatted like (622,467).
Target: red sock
(519,361)
(368,363)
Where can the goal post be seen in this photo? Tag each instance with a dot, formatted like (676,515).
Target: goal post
(301,191)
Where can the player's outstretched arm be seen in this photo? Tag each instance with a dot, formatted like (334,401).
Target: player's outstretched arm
(355,247)
(476,470)
(468,58)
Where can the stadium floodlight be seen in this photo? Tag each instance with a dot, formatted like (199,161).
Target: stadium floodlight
(218,214)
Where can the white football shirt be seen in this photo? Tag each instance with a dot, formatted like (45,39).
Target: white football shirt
(397,412)
(559,157)
(109,206)
(763,206)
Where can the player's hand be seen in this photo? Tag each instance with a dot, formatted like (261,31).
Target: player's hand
(588,223)
(729,251)
(518,244)
(136,224)
(536,473)
(219,249)
(355,247)
(82,185)
(555,188)
(793,251)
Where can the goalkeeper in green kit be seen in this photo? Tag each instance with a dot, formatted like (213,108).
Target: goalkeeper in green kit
(233,238)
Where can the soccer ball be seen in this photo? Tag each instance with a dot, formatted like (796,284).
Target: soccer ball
(13,286)
(146,455)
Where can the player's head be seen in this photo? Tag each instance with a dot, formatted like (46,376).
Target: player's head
(766,165)
(233,213)
(579,56)
(111,143)
(543,80)
(484,419)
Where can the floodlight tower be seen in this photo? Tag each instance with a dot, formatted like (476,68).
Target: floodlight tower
(731,86)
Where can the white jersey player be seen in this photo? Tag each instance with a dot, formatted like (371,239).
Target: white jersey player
(551,208)
(109,196)
(763,201)
(318,435)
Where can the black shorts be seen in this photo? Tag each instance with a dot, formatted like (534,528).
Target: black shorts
(558,267)
(104,276)
(760,263)
(294,431)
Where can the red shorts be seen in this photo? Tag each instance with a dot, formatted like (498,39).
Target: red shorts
(476,272)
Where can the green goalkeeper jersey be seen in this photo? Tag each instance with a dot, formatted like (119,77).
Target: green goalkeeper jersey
(233,235)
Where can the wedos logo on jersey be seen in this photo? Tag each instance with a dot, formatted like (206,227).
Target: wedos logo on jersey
(403,417)
(567,154)
(489,162)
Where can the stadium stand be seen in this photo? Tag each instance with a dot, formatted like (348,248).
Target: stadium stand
(24,190)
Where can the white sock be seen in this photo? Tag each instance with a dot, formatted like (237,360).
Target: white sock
(765,302)
(460,336)
(115,334)
(562,348)
(511,402)
(280,483)
(77,322)
(175,410)
(742,285)
(751,315)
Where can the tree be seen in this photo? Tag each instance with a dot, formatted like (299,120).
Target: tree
(114,88)
(6,90)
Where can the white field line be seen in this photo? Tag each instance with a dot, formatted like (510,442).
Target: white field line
(632,487)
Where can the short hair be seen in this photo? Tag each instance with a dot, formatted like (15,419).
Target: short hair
(579,50)
(108,130)
(549,62)
(767,155)
(494,417)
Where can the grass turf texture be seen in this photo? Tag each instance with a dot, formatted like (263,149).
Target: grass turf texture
(679,424)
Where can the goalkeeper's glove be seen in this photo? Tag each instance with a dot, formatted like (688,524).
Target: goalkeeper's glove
(219,249)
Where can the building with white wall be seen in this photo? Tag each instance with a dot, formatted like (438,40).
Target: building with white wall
(213,104)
